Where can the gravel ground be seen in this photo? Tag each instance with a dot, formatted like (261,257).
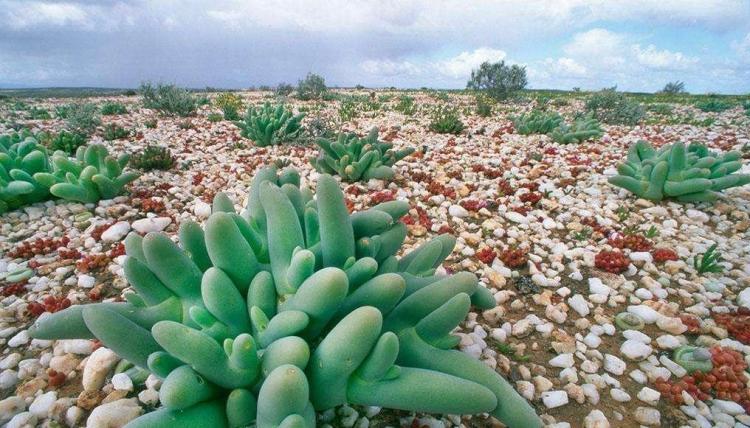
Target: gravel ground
(531,217)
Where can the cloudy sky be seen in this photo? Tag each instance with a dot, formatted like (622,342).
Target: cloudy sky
(638,45)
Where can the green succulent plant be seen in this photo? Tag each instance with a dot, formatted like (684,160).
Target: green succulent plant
(21,157)
(537,122)
(152,157)
(713,105)
(353,158)
(66,141)
(688,174)
(112,108)
(90,176)
(582,129)
(291,307)
(269,125)
(446,120)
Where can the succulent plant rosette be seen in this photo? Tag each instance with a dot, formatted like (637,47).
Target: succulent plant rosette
(294,306)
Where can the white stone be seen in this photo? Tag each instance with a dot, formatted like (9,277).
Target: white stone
(10,407)
(590,391)
(97,366)
(667,341)
(596,286)
(743,299)
(151,224)
(562,361)
(516,217)
(458,211)
(552,399)
(115,414)
(637,336)
(635,350)
(201,209)
(595,419)
(122,382)
(649,396)
(648,416)
(614,364)
(86,281)
(19,339)
(42,404)
(641,256)
(116,232)
(618,394)
(648,314)
(579,304)
(592,341)
(729,407)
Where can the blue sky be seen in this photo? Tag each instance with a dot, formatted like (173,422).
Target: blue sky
(638,45)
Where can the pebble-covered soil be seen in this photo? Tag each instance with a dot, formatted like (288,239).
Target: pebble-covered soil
(536,221)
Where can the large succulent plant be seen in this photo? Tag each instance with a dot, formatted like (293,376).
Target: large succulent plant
(582,129)
(21,157)
(353,158)
(290,307)
(537,122)
(92,175)
(688,174)
(269,125)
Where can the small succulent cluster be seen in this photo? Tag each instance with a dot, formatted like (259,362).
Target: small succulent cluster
(291,307)
(114,132)
(21,157)
(111,109)
(446,120)
(67,141)
(582,129)
(353,158)
(688,174)
(537,122)
(269,125)
(152,157)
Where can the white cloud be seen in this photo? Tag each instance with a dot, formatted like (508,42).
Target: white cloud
(565,67)
(742,48)
(461,65)
(662,59)
(36,13)
(597,46)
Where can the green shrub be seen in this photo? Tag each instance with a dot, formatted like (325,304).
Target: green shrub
(673,88)
(537,122)
(312,87)
(354,159)
(291,308)
(215,117)
(713,105)
(269,125)
(168,99)
(498,80)
(115,132)
(150,123)
(112,109)
(39,114)
(230,105)
(614,108)
(660,109)
(66,141)
(406,105)
(152,157)
(582,129)
(283,89)
(484,107)
(445,120)
(63,111)
(83,118)
(688,174)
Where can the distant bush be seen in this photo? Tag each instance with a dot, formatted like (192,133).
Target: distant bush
(498,80)
(445,120)
(66,141)
(111,109)
(39,114)
(406,105)
(168,99)
(676,87)
(660,109)
(83,118)
(484,106)
(614,108)
(230,105)
(152,157)
(283,89)
(215,117)
(115,132)
(713,105)
(130,93)
(62,112)
(312,87)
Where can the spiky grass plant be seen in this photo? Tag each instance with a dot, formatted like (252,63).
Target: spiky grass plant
(291,307)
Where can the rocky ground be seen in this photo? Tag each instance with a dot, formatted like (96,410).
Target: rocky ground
(536,221)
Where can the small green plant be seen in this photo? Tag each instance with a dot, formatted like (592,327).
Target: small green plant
(614,108)
(283,90)
(652,232)
(83,118)
(537,122)
(661,109)
(498,80)
(484,106)
(623,214)
(510,351)
(709,261)
(185,125)
(446,120)
(112,109)
(406,105)
(152,157)
(354,159)
(230,105)
(312,87)
(115,132)
(215,117)
(22,157)
(348,109)
(39,114)
(673,88)
(62,112)
(713,105)
(66,141)
(583,129)
(583,234)
(269,125)
(168,99)
(150,123)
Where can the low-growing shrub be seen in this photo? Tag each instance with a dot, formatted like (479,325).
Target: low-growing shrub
(150,123)
(215,117)
(62,112)
(152,157)
(660,109)
(83,118)
(312,87)
(484,107)
(498,80)
(114,132)
(269,125)
(66,141)
(406,105)
(283,89)
(614,108)
(446,120)
(111,109)
(713,105)
(39,114)
(230,105)
(168,99)
(537,122)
